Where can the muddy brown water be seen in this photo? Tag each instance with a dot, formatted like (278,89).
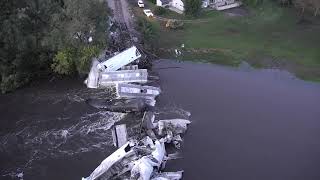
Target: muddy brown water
(246,124)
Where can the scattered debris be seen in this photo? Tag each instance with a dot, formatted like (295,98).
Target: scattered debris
(122,105)
(172,130)
(20,176)
(168,176)
(133,90)
(177,52)
(108,167)
(93,77)
(173,156)
(142,157)
(90,39)
(119,135)
(174,24)
(136,160)
(148,120)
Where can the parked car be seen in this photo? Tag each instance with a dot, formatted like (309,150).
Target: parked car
(140,4)
(148,12)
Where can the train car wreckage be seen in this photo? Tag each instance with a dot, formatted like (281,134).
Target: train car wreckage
(143,157)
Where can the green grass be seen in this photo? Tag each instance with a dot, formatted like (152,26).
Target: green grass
(269,32)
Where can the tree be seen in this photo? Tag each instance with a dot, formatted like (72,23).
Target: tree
(149,33)
(253,2)
(84,19)
(81,20)
(159,10)
(192,7)
(153,1)
(22,56)
(36,33)
(147,30)
(63,62)
(285,2)
(86,54)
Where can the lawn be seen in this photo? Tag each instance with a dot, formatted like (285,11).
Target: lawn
(269,36)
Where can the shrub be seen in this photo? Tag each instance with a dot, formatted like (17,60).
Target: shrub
(147,30)
(149,33)
(85,55)
(193,7)
(252,2)
(153,1)
(13,81)
(63,62)
(159,10)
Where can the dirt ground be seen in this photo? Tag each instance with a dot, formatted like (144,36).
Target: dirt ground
(122,13)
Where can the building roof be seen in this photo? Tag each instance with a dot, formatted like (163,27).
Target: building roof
(165,1)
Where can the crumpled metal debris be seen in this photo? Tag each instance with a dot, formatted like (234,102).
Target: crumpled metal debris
(167,176)
(122,105)
(144,167)
(144,157)
(172,129)
(106,164)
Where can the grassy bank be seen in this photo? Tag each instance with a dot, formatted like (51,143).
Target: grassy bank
(265,36)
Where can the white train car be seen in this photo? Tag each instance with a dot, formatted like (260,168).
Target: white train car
(120,60)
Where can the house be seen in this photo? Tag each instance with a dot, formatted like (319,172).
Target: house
(220,4)
(163,3)
(178,5)
(174,5)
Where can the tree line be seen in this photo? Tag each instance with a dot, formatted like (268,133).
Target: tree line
(303,5)
(41,37)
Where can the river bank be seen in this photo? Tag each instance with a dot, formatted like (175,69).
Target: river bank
(265,36)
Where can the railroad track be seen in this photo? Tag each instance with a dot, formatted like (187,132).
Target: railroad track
(118,11)
(119,16)
(126,34)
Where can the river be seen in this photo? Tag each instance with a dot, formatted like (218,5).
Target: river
(246,124)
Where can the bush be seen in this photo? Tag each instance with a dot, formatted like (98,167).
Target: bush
(13,81)
(146,28)
(149,33)
(192,7)
(63,62)
(85,54)
(69,60)
(252,2)
(8,83)
(153,1)
(159,10)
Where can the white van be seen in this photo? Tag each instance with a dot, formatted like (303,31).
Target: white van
(140,4)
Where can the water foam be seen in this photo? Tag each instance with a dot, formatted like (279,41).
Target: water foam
(88,134)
